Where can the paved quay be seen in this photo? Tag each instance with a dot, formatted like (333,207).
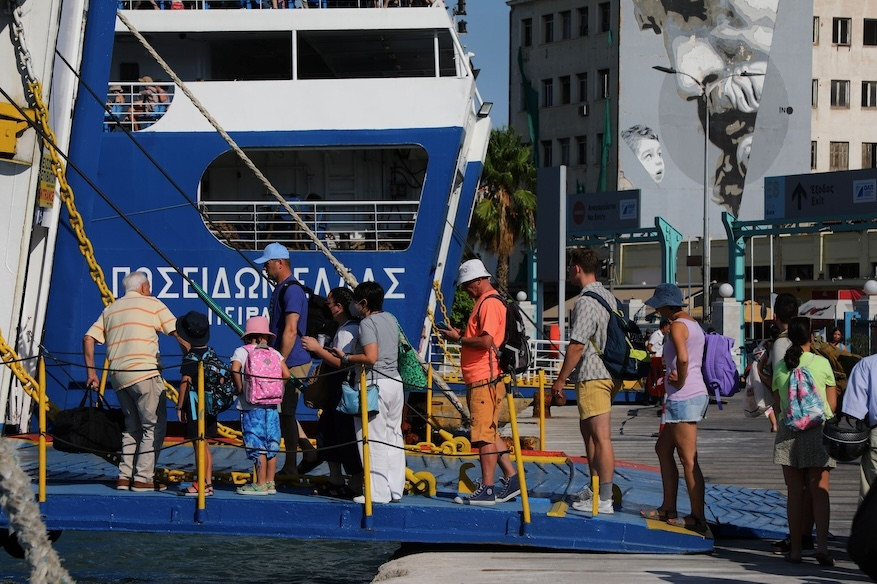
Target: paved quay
(732,450)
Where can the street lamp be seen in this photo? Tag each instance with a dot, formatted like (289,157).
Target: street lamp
(704,94)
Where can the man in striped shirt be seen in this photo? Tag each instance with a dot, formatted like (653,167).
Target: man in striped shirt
(129,328)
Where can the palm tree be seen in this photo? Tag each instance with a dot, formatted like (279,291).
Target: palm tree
(505,212)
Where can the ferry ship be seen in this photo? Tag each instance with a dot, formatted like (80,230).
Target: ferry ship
(365,120)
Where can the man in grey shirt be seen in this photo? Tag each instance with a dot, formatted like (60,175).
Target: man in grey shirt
(595,388)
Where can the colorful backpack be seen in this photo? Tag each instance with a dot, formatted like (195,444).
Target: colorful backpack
(718,368)
(264,375)
(219,388)
(804,410)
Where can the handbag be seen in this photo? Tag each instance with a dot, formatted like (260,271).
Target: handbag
(349,403)
(95,428)
(409,366)
(316,392)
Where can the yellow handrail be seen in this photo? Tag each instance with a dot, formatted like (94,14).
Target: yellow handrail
(519,459)
(41,373)
(366,461)
(428,406)
(541,409)
(201,445)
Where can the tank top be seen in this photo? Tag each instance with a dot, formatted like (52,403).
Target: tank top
(694,384)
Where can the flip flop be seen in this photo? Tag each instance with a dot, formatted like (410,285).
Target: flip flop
(690,523)
(192,490)
(657,514)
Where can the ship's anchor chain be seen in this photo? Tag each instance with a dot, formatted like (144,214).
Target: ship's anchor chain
(440,301)
(77,224)
(16,495)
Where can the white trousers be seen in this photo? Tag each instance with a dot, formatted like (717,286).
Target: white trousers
(386,447)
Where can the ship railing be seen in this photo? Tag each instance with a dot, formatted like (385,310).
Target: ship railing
(341,225)
(547,357)
(269,4)
(136,105)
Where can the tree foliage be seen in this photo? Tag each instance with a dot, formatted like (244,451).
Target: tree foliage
(506,208)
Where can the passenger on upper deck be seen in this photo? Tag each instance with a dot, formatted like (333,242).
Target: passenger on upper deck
(120,110)
(150,105)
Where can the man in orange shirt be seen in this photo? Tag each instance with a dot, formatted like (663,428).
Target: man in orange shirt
(129,327)
(485,389)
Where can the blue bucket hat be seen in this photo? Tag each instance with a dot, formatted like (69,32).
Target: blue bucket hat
(273,251)
(666,295)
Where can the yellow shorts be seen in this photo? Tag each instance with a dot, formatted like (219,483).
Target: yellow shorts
(594,397)
(485,401)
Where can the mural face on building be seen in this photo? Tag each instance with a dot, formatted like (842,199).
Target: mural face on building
(645,144)
(722,52)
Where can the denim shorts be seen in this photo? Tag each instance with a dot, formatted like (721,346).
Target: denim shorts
(687,410)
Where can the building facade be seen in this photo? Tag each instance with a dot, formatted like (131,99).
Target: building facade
(652,75)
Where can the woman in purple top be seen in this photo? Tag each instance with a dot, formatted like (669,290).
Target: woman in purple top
(684,406)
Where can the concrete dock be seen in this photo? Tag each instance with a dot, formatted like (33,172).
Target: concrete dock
(732,450)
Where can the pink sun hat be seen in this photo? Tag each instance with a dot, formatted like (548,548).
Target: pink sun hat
(257,325)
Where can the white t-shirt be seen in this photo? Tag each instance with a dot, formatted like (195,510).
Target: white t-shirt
(657,343)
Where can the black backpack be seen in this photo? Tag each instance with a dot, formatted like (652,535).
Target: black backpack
(219,389)
(625,355)
(514,353)
(320,320)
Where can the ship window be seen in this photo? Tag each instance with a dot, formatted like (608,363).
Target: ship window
(268,55)
(361,199)
(349,54)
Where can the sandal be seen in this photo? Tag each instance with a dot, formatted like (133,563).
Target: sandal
(335,491)
(657,514)
(690,523)
(192,490)
(824,559)
(792,560)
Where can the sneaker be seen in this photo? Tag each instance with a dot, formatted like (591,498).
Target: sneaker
(253,489)
(141,487)
(604,507)
(483,496)
(123,484)
(509,489)
(584,494)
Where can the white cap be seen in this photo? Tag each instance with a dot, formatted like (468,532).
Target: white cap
(471,270)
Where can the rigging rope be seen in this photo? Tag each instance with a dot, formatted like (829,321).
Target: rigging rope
(340,268)
(18,504)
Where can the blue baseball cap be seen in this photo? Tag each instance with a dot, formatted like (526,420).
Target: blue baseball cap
(666,295)
(273,251)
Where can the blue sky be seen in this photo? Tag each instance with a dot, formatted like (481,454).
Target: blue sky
(488,37)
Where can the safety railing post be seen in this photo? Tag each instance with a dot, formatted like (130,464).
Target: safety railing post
(200,514)
(541,409)
(519,462)
(366,460)
(429,405)
(42,405)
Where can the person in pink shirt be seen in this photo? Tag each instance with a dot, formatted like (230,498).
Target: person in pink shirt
(685,405)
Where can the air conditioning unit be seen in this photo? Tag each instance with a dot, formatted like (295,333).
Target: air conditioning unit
(584,109)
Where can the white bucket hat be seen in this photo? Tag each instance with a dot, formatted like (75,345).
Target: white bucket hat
(471,270)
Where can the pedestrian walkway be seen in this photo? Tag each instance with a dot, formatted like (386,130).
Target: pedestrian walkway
(733,450)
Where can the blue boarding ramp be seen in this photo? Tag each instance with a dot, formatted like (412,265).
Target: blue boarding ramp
(81,497)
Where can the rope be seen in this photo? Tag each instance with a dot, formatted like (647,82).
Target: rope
(339,267)
(17,502)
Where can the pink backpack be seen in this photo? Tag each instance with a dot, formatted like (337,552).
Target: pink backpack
(264,375)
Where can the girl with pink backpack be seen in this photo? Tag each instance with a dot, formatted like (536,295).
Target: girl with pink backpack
(259,373)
